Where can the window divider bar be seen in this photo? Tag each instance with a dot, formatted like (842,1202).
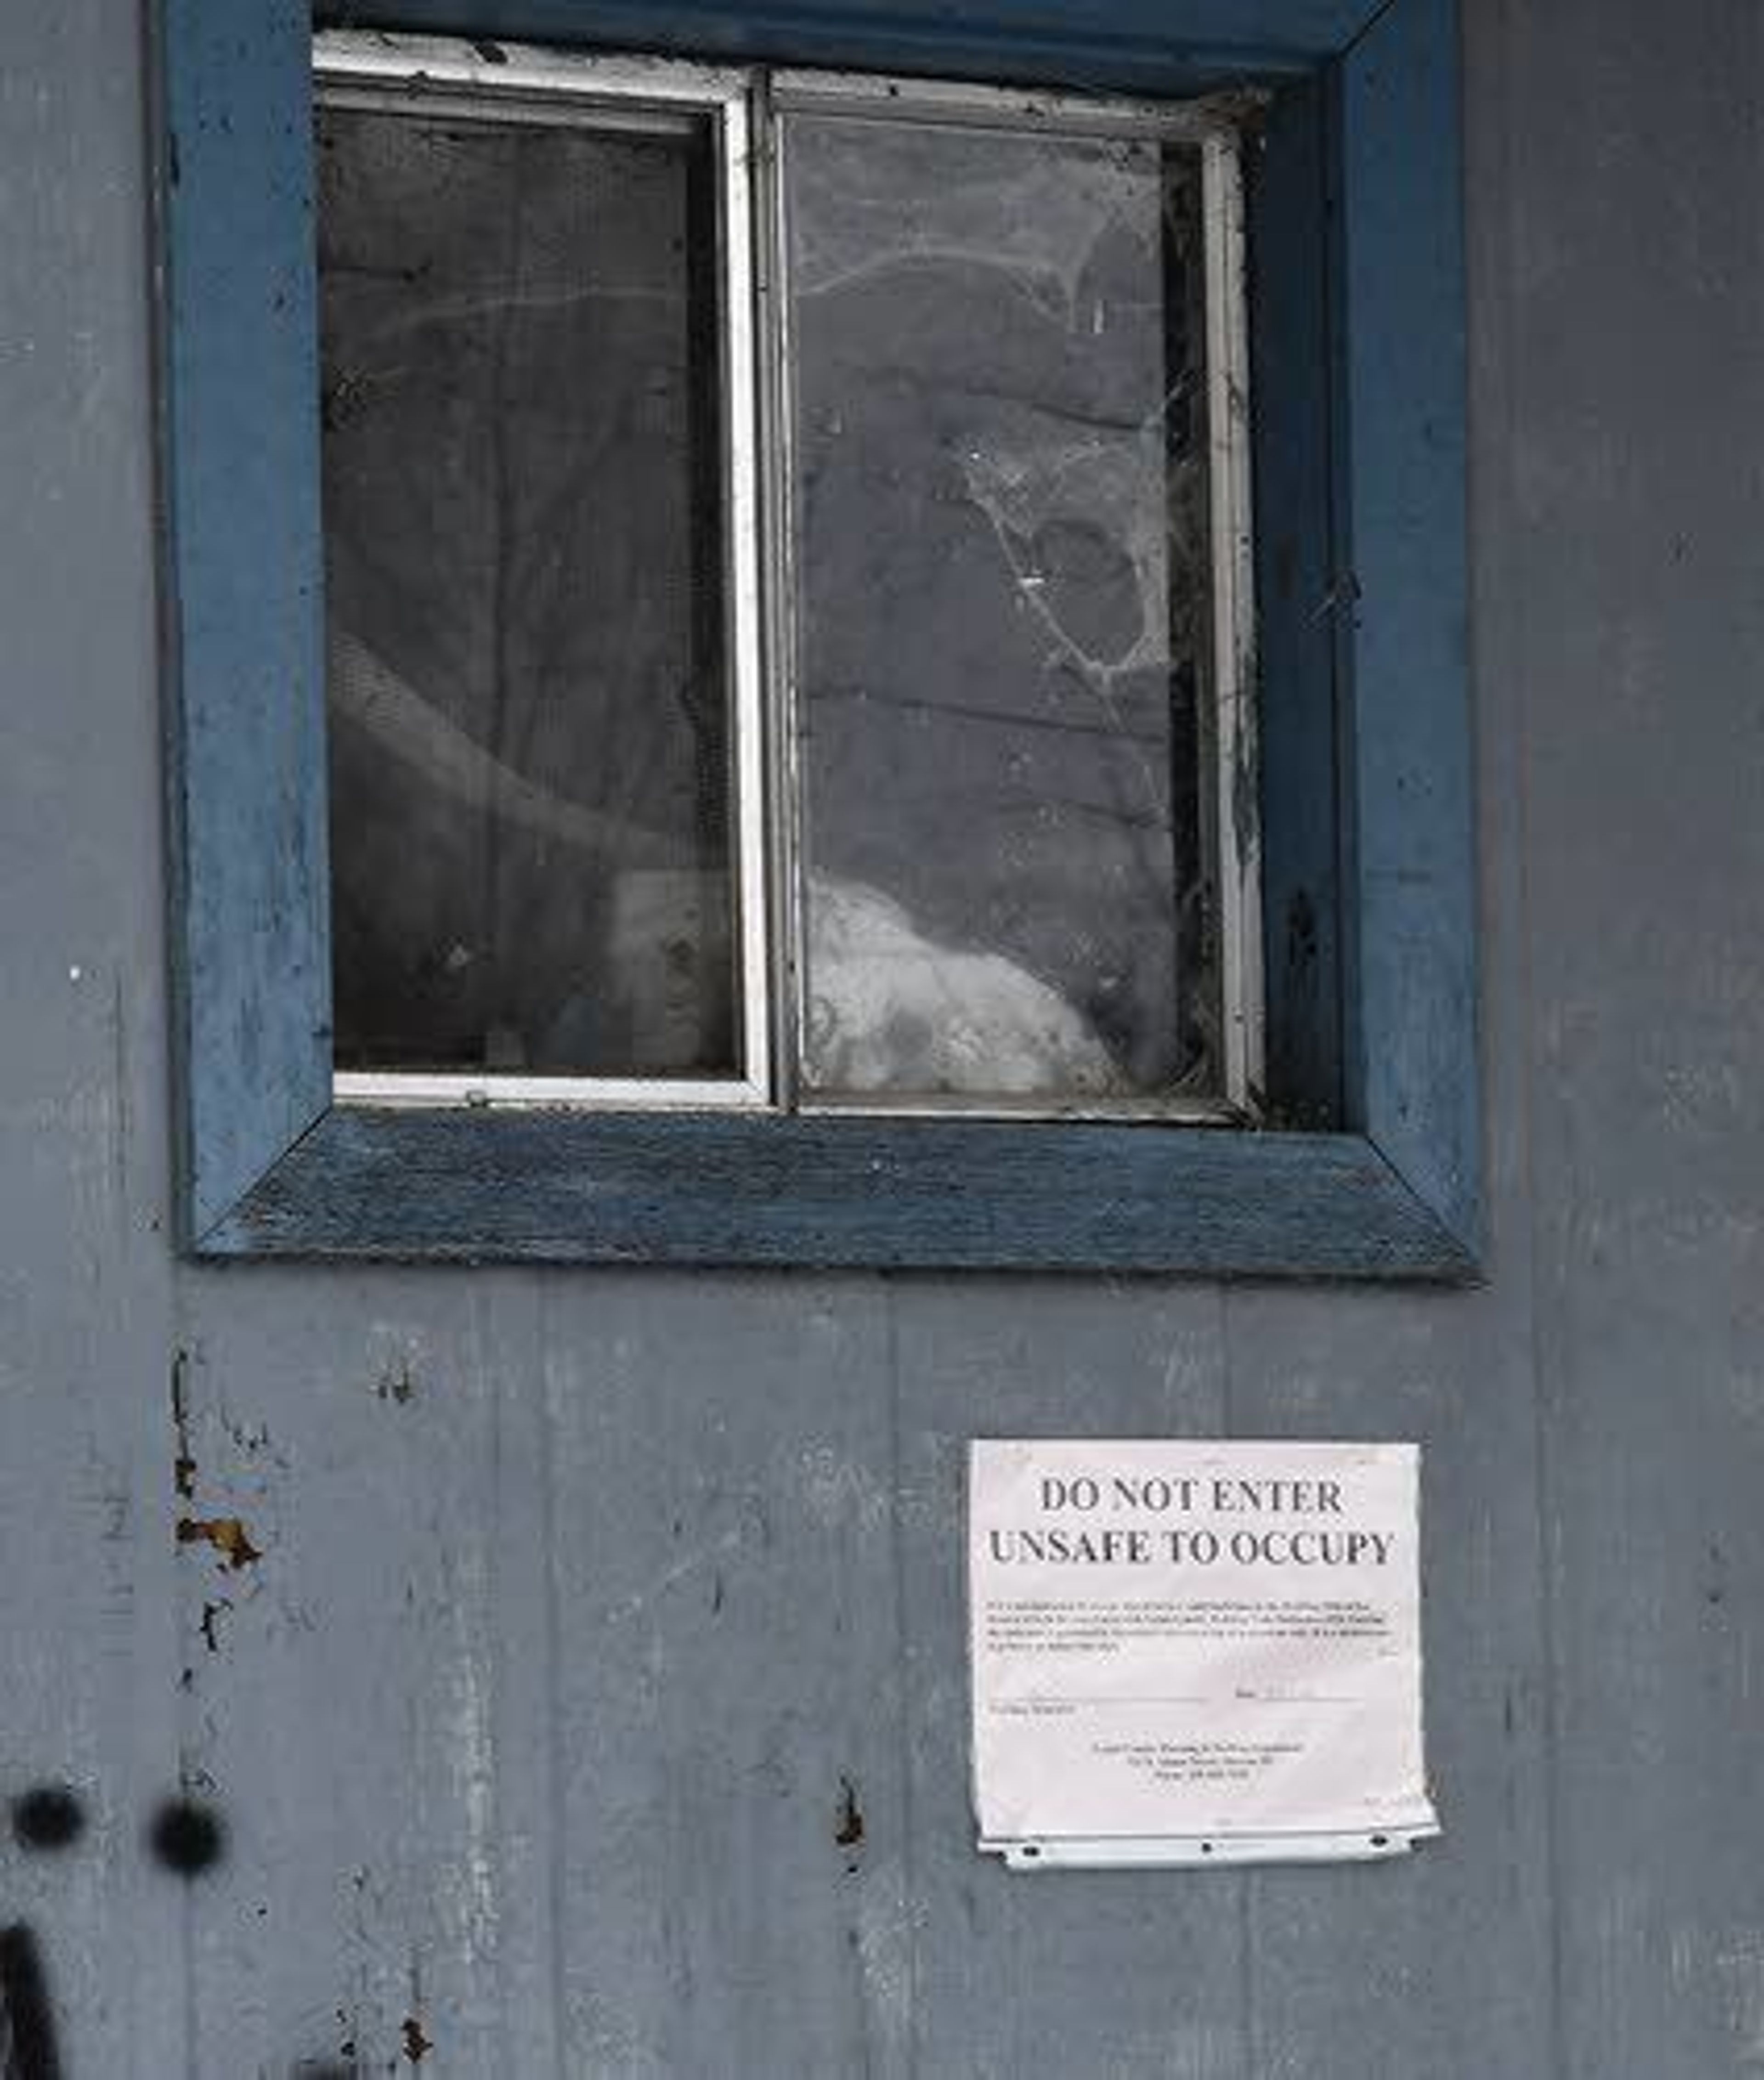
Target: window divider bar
(1234,626)
(786,825)
(743,509)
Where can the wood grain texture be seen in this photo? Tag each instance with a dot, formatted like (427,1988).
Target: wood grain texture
(1107,1973)
(1300,598)
(1635,621)
(575,1188)
(387,1659)
(1412,1036)
(734,1852)
(248,808)
(89,1661)
(440,1633)
(251,947)
(1121,43)
(1445,1971)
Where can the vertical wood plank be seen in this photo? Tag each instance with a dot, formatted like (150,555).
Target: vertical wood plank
(1435,1968)
(1076,1972)
(730,1833)
(1638,625)
(88,1654)
(368,1706)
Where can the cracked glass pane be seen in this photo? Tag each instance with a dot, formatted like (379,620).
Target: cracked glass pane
(531,850)
(1000,454)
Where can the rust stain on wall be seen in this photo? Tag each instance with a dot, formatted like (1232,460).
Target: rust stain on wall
(227,1535)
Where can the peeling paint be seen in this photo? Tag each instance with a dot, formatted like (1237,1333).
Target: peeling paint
(636,1602)
(227,1534)
(183,1464)
(849,1831)
(839,1491)
(397,1381)
(884,1940)
(1739,1968)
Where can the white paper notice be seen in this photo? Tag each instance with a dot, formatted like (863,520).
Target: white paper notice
(1198,1652)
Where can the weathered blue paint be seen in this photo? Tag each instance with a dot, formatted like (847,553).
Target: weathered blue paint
(582,1590)
(1412,1063)
(241,466)
(1376,454)
(910,1194)
(1123,43)
(1292,389)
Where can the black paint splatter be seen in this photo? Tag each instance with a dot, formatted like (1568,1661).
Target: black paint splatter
(186,1837)
(29,2014)
(47,1816)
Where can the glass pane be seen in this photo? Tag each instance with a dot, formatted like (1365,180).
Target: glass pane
(1001,513)
(530,843)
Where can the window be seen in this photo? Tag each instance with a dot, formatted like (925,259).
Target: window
(963,833)
(819,1140)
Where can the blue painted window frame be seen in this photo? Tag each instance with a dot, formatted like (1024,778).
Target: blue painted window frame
(1358,336)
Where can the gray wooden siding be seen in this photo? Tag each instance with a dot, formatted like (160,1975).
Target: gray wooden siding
(584,1598)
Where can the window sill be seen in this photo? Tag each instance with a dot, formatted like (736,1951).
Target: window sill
(461,1186)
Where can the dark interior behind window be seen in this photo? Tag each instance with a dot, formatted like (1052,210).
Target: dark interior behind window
(528,714)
